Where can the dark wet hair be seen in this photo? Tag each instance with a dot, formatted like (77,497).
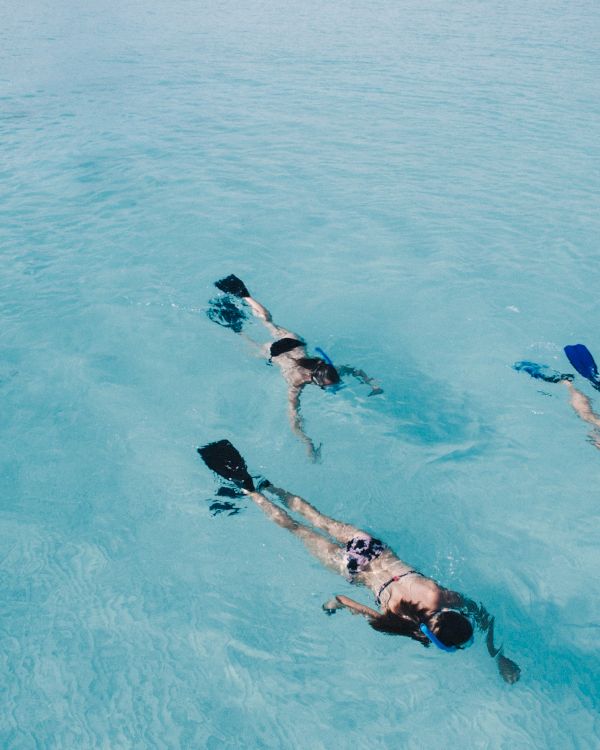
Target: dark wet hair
(321,373)
(406,622)
(451,627)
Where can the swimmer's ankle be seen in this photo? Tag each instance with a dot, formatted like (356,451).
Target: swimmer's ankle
(263,484)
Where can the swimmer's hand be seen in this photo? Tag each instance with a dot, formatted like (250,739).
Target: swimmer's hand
(355,608)
(376,391)
(331,605)
(314,452)
(509,671)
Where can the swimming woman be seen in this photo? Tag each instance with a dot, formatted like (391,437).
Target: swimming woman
(410,603)
(288,352)
(581,359)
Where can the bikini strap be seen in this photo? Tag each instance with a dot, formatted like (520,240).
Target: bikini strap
(393,580)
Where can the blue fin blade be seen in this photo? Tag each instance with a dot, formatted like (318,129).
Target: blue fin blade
(581,359)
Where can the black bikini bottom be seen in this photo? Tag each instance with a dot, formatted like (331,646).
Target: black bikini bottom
(284,345)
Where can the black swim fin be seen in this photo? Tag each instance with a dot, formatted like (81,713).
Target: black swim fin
(232,285)
(225,313)
(225,460)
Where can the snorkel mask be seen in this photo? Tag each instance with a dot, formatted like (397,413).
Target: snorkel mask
(442,646)
(435,640)
(320,373)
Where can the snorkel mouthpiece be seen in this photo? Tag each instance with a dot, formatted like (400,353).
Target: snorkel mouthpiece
(435,640)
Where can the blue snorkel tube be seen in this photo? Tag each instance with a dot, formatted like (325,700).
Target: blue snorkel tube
(435,640)
(442,646)
(324,356)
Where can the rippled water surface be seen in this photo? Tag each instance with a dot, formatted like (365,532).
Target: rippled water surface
(413,186)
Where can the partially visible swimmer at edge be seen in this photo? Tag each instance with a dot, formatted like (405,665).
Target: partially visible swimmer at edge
(581,359)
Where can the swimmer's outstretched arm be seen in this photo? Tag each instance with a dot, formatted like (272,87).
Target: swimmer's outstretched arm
(508,669)
(361,376)
(297,423)
(344,602)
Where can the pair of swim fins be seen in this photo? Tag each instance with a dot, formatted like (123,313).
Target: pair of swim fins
(223,311)
(577,354)
(221,456)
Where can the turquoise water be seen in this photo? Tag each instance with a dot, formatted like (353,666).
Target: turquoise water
(413,187)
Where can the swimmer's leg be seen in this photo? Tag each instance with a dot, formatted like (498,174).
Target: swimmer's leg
(327,552)
(343,532)
(582,405)
(260,311)
(235,286)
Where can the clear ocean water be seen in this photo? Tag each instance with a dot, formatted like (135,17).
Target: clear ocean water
(412,186)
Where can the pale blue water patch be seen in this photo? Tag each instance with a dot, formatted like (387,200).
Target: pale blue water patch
(412,187)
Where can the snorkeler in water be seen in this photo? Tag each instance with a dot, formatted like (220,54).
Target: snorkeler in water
(410,603)
(287,351)
(581,359)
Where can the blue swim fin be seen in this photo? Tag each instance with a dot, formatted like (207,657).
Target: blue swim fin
(581,359)
(541,372)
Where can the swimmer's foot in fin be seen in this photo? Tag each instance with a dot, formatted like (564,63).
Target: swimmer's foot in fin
(542,372)
(225,313)
(232,285)
(222,458)
(581,359)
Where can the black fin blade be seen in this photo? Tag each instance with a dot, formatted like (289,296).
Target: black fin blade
(226,461)
(232,285)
